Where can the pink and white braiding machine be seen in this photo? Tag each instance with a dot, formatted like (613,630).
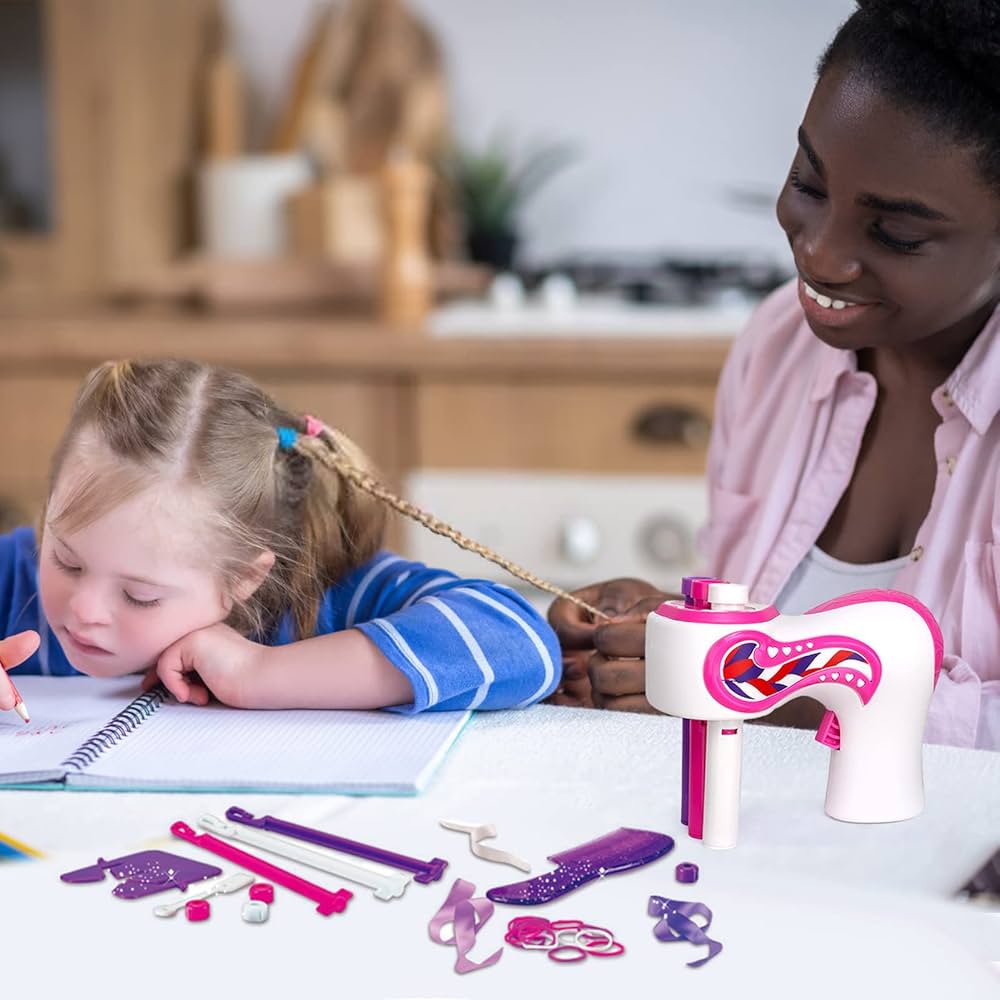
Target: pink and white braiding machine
(871,658)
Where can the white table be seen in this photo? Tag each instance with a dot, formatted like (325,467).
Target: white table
(804,906)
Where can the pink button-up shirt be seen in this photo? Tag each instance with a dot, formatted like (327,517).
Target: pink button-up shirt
(790,416)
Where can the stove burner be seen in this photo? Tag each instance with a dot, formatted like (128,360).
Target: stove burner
(669,280)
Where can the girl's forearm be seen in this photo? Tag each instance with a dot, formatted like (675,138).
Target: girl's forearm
(340,670)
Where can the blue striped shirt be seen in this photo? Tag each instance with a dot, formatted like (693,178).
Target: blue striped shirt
(460,643)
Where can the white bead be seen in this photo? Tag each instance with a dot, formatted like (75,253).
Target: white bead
(254,911)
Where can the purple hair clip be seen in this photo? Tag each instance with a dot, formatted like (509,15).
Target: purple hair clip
(145,873)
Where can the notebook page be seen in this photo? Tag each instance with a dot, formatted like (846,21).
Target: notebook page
(220,748)
(65,712)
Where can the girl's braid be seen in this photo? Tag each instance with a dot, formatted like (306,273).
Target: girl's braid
(322,447)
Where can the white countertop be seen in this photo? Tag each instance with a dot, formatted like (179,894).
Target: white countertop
(589,316)
(803,905)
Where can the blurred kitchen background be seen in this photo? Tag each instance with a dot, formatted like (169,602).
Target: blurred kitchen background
(504,244)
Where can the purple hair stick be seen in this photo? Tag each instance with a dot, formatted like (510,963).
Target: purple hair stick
(423,871)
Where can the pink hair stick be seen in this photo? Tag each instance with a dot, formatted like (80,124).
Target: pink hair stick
(329,902)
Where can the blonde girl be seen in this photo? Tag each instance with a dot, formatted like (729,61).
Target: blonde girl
(197,531)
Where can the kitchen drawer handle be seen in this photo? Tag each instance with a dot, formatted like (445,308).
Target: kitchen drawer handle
(670,424)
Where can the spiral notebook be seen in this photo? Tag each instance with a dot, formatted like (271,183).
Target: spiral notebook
(105,735)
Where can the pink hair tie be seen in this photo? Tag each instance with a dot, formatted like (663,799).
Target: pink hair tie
(313,426)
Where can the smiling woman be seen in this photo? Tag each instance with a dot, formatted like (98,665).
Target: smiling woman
(889,221)
(857,423)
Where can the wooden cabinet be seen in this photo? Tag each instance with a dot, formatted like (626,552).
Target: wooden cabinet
(33,413)
(650,424)
(121,82)
(602,406)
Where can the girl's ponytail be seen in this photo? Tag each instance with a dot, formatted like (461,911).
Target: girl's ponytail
(328,449)
(341,524)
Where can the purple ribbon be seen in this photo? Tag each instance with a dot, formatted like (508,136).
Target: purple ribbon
(676,924)
(467,915)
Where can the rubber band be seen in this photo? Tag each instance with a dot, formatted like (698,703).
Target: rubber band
(584,938)
(287,436)
(532,923)
(567,936)
(314,427)
(617,948)
(535,941)
(565,940)
(578,956)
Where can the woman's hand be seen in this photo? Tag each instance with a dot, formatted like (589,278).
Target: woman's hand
(215,661)
(14,650)
(604,663)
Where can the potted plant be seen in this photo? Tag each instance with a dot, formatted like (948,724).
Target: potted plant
(491,186)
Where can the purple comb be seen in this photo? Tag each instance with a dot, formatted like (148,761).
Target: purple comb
(615,852)
(145,873)
(423,871)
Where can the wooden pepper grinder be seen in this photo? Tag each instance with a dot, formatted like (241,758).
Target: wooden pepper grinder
(407,274)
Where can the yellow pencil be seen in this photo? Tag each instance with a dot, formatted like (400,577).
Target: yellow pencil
(18,846)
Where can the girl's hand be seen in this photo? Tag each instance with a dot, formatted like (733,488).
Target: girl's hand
(215,661)
(14,650)
(604,663)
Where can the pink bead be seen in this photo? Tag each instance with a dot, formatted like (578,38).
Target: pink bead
(197,909)
(263,891)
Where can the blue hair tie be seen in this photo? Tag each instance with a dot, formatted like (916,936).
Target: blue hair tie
(287,436)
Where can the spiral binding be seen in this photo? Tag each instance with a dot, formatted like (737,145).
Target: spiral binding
(117,729)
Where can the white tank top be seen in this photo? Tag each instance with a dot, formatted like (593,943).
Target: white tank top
(820,578)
